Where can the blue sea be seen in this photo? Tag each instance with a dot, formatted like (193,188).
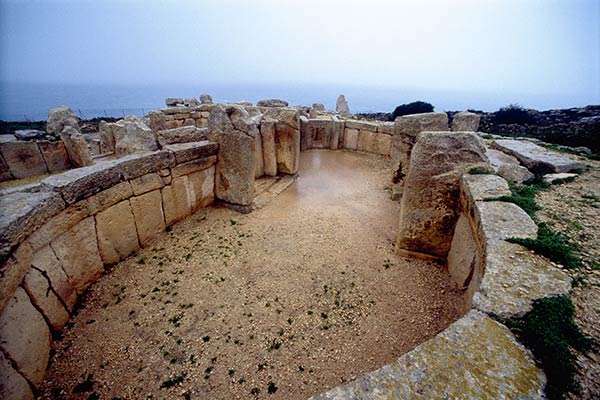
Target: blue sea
(28,101)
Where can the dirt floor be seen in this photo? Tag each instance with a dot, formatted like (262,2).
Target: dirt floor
(283,303)
(574,210)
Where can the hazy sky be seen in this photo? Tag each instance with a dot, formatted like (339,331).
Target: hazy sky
(491,46)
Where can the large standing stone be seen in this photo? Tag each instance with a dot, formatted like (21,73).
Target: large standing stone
(235,132)
(176,201)
(267,132)
(107,137)
(55,155)
(429,207)
(45,261)
(77,250)
(341,105)
(206,99)
(59,118)
(117,235)
(337,133)
(464,257)
(24,159)
(25,337)
(45,299)
(272,103)
(202,186)
(351,139)
(191,102)
(76,147)
(149,217)
(287,148)
(366,141)
(132,135)
(259,160)
(465,121)
(537,159)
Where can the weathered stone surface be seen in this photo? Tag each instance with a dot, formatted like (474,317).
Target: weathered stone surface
(25,337)
(184,152)
(550,178)
(386,127)
(41,295)
(12,271)
(430,200)
(157,120)
(132,135)
(107,137)
(59,118)
(24,159)
(201,188)
(484,187)
(173,101)
(30,134)
(176,200)
(191,102)
(337,134)
(351,139)
(272,103)
(147,183)
(77,251)
(465,121)
(366,141)
(149,217)
(193,166)
(267,132)
(76,147)
(117,235)
(502,220)
(235,170)
(58,225)
(318,106)
(537,159)
(433,121)
(21,213)
(77,184)
(383,144)
(287,148)
(45,261)
(508,166)
(259,165)
(362,125)
(464,257)
(286,115)
(184,134)
(474,358)
(109,197)
(341,105)
(12,384)
(5,174)
(206,99)
(136,165)
(514,278)
(55,155)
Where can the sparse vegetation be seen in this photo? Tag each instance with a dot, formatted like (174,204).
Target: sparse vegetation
(480,171)
(416,107)
(513,114)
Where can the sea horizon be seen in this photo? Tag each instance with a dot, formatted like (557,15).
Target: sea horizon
(20,101)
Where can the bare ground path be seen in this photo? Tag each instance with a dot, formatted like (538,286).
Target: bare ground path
(283,303)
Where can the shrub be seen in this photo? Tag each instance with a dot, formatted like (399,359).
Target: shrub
(548,330)
(416,107)
(513,114)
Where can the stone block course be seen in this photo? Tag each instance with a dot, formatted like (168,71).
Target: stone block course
(45,261)
(45,300)
(117,234)
(175,200)
(149,216)
(24,159)
(55,155)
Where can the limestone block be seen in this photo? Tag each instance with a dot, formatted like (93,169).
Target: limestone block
(502,220)
(59,118)
(551,178)
(202,185)
(514,278)
(184,152)
(149,217)
(351,139)
(45,260)
(233,129)
(366,141)
(361,125)
(24,159)
(189,122)
(465,122)
(77,251)
(55,155)
(107,137)
(259,165)
(172,124)
(117,234)
(175,200)
(12,384)
(157,120)
(45,300)
(189,167)
(272,103)
(185,134)
(341,105)
(132,135)
(474,358)
(337,135)
(484,187)
(135,165)
(383,144)
(57,225)
(508,166)
(287,148)
(537,159)
(430,201)
(77,147)
(386,128)
(147,183)
(206,99)
(267,131)
(109,197)
(464,257)
(12,272)
(4,170)
(25,337)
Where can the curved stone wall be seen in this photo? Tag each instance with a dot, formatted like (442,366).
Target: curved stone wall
(57,237)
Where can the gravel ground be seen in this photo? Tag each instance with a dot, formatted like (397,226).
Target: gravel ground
(574,210)
(283,303)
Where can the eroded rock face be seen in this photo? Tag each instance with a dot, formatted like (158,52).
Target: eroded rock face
(465,122)
(132,135)
(76,147)
(235,132)
(537,159)
(429,207)
(341,105)
(59,118)
(272,103)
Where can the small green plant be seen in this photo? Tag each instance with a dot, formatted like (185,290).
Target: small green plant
(513,114)
(548,330)
(416,107)
(480,171)
(524,195)
(169,383)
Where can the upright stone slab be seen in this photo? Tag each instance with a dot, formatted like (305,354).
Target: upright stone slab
(259,160)
(341,105)
(267,131)
(107,137)
(117,234)
(45,261)
(537,159)
(24,159)
(59,118)
(132,135)
(176,202)
(76,147)
(149,217)
(465,121)
(287,138)
(201,186)
(430,204)
(45,299)
(351,139)
(235,132)
(12,384)
(55,155)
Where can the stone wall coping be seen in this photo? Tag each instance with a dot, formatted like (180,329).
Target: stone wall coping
(367,126)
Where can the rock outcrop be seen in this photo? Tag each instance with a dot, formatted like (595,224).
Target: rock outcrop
(76,147)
